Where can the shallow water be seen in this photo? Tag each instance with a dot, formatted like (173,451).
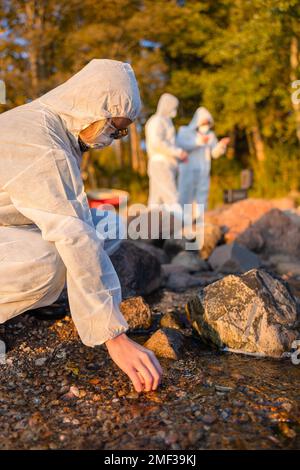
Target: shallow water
(79,399)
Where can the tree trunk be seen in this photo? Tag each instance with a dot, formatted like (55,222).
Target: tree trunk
(294,61)
(32,23)
(258,143)
(134,148)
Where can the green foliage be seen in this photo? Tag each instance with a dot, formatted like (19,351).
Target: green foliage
(232,56)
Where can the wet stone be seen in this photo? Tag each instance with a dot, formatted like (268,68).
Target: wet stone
(136,312)
(166,342)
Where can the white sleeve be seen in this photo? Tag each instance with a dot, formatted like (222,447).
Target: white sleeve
(50,193)
(217,148)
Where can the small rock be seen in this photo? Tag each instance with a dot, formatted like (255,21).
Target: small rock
(40,361)
(190,261)
(287,431)
(209,419)
(171,438)
(92,366)
(195,435)
(179,282)
(132,395)
(137,313)
(75,391)
(172,320)
(233,258)
(221,388)
(166,342)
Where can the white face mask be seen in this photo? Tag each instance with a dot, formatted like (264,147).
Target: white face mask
(204,129)
(106,136)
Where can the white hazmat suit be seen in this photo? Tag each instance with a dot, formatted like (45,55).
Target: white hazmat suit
(163,153)
(47,234)
(194,175)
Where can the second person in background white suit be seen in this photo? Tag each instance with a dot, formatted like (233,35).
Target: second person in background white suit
(201,143)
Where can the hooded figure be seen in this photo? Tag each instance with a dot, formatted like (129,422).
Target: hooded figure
(201,143)
(163,153)
(47,232)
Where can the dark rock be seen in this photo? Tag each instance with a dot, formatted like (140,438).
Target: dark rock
(158,253)
(233,258)
(166,342)
(170,268)
(190,261)
(253,313)
(139,271)
(273,233)
(137,313)
(172,247)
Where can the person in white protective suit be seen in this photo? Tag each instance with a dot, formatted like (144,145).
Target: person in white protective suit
(47,231)
(201,143)
(163,153)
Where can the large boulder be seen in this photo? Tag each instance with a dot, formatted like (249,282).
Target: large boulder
(138,270)
(273,233)
(253,313)
(233,258)
(237,217)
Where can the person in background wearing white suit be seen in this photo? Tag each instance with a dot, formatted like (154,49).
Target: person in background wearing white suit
(163,153)
(201,143)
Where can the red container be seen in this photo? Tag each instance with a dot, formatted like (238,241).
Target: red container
(101,197)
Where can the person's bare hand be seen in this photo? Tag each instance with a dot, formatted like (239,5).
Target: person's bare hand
(225,141)
(139,363)
(184,156)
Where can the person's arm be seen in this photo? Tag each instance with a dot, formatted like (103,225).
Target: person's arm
(50,193)
(159,141)
(218,148)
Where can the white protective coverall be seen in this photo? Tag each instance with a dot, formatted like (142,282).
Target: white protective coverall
(47,234)
(194,175)
(163,154)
